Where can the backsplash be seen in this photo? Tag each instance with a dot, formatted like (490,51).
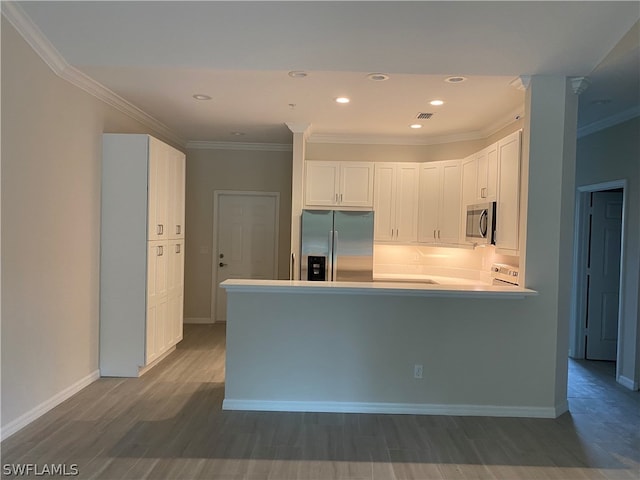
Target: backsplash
(441,261)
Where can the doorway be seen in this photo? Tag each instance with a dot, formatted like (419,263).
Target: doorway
(598,272)
(245,241)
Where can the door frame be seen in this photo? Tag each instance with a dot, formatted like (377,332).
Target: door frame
(214,247)
(577,342)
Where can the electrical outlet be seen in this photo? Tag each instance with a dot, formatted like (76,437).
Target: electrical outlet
(417,371)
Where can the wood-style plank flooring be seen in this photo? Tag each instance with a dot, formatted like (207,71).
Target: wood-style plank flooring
(169,425)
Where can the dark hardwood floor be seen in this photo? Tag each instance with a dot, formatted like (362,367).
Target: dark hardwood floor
(169,425)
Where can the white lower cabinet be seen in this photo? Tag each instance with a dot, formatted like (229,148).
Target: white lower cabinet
(141,259)
(439,203)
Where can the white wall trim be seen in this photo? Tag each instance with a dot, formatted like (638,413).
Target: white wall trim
(609,121)
(578,294)
(47,405)
(628,383)
(263,147)
(54,59)
(393,408)
(199,320)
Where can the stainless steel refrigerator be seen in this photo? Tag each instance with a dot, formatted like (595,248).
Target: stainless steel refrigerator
(336,245)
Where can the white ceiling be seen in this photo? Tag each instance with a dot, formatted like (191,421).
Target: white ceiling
(156,55)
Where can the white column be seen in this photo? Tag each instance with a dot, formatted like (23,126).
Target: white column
(549,162)
(300,135)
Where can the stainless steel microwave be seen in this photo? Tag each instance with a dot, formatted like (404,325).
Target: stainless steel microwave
(481,223)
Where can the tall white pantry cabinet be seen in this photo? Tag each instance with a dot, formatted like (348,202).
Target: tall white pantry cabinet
(142,253)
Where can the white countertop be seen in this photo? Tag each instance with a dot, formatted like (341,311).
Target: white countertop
(418,278)
(466,289)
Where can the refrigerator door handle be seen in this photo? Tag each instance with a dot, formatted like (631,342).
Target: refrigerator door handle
(334,253)
(329,270)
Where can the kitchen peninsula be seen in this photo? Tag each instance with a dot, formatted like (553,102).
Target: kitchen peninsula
(384,347)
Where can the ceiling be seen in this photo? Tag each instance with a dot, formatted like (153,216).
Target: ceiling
(157,55)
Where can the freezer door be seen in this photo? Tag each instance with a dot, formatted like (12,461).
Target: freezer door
(353,246)
(316,240)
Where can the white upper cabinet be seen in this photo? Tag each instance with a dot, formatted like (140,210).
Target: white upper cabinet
(166,185)
(158,186)
(439,202)
(508,194)
(486,183)
(396,202)
(176,193)
(339,184)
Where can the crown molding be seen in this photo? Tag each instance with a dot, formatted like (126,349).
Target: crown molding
(609,121)
(390,140)
(501,123)
(262,147)
(40,44)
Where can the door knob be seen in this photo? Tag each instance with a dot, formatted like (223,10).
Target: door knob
(222,264)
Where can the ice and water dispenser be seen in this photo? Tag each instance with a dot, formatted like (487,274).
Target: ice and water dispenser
(316,268)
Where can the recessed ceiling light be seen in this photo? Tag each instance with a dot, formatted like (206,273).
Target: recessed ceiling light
(436,103)
(455,79)
(237,134)
(378,77)
(200,96)
(342,100)
(415,125)
(297,74)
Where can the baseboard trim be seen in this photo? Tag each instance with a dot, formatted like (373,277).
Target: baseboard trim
(627,383)
(24,420)
(390,408)
(198,320)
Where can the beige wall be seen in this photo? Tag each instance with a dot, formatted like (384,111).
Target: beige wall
(51,151)
(405,153)
(210,170)
(608,155)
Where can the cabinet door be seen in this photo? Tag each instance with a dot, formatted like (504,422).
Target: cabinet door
(321,185)
(406,202)
(468,172)
(175,194)
(508,201)
(481,180)
(384,202)
(175,292)
(356,184)
(158,203)
(449,213)
(157,265)
(429,203)
(492,173)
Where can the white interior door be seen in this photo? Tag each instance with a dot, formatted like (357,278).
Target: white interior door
(246,241)
(604,276)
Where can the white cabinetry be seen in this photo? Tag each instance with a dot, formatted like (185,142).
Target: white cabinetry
(508,194)
(396,202)
(487,174)
(142,252)
(439,203)
(339,184)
